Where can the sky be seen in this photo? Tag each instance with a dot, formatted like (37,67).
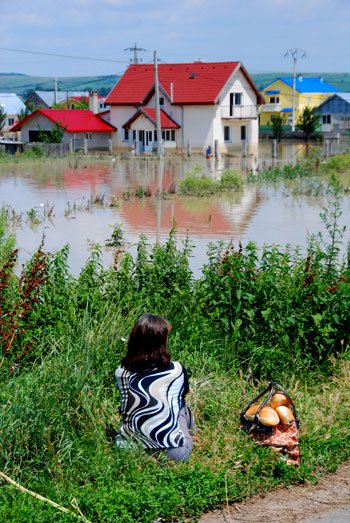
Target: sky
(255,32)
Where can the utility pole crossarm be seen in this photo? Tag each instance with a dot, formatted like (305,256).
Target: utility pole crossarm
(135,50)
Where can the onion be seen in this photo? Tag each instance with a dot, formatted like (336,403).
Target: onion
(279,399)
(285,414)
(250,413)
(269,417)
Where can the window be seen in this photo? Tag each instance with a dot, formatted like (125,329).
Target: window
(163,135)
(274,100)
(243,132)
(134,136)
(227,133)
(173,135)
(88,136)
(238,98)
(326,118)
(167,135)
(126,135)
(10,121)
(161,100)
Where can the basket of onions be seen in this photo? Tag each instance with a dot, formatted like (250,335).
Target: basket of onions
(271,419)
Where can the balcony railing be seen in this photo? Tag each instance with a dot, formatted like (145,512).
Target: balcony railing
(271,108)
(239,111)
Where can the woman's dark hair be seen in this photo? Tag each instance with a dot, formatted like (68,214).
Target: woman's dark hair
(147,344)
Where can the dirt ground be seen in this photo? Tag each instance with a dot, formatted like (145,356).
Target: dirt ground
(306,503)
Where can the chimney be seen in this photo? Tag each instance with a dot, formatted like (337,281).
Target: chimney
(93,102)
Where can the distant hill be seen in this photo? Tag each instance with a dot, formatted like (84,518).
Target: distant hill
(23,85)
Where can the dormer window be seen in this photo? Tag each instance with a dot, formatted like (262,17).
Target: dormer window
(161,100)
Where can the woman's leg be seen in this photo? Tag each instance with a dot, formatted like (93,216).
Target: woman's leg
(187,425)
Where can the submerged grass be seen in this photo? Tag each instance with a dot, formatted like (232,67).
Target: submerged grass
(195,185)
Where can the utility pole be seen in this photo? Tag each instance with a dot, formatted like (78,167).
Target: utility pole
(158,122)
(135,49)
(55,92)
(294,53)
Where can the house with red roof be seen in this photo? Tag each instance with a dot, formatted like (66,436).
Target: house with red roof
(201,104)
(80,126)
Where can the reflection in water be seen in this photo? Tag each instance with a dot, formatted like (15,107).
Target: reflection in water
(263,215)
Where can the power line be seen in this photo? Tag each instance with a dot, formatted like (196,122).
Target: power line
(57,55)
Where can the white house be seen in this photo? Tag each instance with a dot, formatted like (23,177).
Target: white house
(201,104)
(11,105)
(335,113)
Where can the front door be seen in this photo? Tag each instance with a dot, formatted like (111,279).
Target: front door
(141,141)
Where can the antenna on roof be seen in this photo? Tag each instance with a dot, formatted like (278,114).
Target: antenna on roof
(135,49)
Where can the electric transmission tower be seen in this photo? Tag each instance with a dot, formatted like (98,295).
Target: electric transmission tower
(135,49)
(294,53)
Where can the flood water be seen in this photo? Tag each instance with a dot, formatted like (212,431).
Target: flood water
(270,214)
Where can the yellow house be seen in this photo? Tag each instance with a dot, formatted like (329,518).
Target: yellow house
(278,95)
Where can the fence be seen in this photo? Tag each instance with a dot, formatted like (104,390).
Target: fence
(50,149)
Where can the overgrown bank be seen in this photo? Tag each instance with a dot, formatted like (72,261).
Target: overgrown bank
(251,317)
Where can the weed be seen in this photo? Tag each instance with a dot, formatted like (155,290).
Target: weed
(33,217)
(117,237)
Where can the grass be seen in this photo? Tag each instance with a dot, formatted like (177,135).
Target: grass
(54,421)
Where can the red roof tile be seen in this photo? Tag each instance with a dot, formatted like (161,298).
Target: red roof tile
(72,120)
(193,83)
(166,122)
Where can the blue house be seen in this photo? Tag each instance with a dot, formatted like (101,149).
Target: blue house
(335,113)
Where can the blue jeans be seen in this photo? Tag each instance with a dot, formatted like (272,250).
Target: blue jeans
(188,426)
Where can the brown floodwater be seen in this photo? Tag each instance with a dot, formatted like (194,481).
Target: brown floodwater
(270,214)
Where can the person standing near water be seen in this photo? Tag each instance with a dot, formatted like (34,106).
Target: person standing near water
(153,390)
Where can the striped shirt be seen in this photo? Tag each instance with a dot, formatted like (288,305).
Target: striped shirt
(150,405)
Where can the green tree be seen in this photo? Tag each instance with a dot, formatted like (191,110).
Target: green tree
(277,126)
(26,111)
(308,122)
(2,117)
(54,136)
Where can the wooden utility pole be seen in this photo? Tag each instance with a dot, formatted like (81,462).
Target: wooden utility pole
(158,122)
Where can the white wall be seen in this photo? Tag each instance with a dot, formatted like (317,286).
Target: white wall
(197,126)
(237,84)
(35,124)
(119,115)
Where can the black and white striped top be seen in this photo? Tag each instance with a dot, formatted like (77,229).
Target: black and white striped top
(150,404)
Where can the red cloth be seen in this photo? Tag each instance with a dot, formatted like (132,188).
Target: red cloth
(283,439)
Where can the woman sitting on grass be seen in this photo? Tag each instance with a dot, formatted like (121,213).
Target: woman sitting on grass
(153,390)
